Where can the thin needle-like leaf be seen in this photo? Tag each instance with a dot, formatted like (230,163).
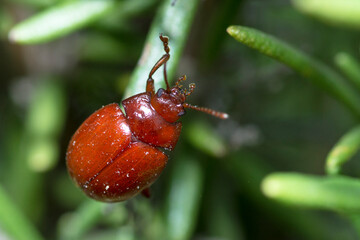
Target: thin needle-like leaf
(173,20)
(13,222)
(340,194)
(183,200)
(347,146)
(350,67)
(314,71)
(59,21)
(342,13)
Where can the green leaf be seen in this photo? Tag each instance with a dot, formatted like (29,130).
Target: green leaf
(197,132)
(174,21)
(247,171)
(59,21)
(13,222)
(47,109)
(343,13)
(347,146)
(183,200)
(45,121)
(350,67)
(316,72)
(75,225)
(340,194)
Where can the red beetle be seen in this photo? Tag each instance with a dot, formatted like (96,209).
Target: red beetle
(113,156)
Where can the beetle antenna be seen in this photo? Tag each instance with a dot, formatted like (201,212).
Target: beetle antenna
(207,110)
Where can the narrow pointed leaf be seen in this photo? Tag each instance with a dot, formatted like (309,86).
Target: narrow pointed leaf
(350,67)
(347,146)
(59,21)
(174,19)
(340,194)
(183,201)
(344,12)
(13,222)
(316,72)
(214,145)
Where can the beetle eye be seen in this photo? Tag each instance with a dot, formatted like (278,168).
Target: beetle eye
(160,92)
(182,113)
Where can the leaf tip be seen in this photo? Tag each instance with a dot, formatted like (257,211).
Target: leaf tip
(240,33)
(231,30)
(12,36)
(270,186)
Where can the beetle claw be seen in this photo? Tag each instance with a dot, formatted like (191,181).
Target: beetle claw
(146,192)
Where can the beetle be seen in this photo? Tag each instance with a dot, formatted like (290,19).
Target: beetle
(112,156)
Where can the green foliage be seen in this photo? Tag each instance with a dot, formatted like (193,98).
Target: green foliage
(12,220)
(183,200)
(342,13)
(334,193)
(311,69)
(350,67)
(182,14)
(59,21)
(347,146)
(222,180)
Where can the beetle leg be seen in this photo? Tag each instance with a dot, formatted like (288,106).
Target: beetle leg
(146,192)
(162,61)
(150,88)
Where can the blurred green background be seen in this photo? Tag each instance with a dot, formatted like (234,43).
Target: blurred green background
(283,166)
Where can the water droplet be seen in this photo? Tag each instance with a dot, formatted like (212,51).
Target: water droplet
(107,187)
(127,175)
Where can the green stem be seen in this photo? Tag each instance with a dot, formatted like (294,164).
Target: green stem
(174,21)
(315,71)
